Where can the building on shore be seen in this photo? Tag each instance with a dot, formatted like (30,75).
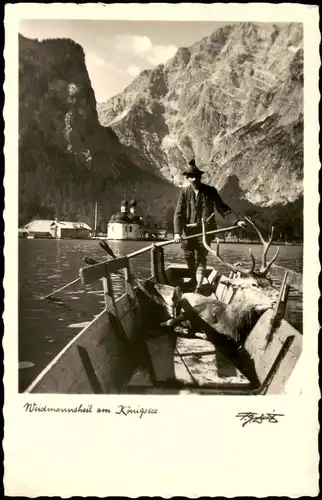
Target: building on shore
(38,228)
(71,230)
(126,224)
(56,229)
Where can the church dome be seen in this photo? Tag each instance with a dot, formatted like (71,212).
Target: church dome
(134,218)
(119,217)
(133,203)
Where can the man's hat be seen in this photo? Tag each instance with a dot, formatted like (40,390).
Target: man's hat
(192,170)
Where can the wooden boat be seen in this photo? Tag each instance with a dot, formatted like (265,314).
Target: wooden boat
(124,350)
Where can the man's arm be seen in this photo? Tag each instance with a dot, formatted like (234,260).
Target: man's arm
(225,211)
(179,213)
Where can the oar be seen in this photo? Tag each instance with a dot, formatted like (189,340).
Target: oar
(59,289)
(110,252)
(107,249)
(169,242)
(88,261)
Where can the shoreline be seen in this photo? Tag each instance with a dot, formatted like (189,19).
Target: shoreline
(96,238)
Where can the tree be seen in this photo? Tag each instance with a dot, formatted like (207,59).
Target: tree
(167,217)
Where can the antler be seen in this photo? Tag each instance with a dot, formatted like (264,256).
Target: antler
(237,269)
(266,244)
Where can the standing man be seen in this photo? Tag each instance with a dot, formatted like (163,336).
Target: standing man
(195,202)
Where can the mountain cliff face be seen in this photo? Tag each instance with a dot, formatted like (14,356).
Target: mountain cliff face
(67,160)
(234,100)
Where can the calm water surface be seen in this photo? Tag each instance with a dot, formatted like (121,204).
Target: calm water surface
(46,265)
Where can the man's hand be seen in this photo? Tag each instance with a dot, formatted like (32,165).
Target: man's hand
(241,223)
(177,238)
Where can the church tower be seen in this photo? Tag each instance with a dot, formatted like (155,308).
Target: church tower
(124,207)
(125,225)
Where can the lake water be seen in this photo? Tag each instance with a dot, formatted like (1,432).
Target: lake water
(46,265)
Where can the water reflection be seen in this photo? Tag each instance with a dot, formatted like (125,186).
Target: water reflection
(46,265)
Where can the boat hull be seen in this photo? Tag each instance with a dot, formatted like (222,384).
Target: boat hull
(97,360)
(125,350)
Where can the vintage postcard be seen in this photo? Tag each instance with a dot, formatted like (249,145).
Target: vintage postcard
(161,243)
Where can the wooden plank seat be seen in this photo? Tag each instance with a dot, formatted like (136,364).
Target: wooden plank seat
(206,364)
(185,362)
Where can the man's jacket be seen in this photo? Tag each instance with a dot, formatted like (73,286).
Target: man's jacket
(190,209)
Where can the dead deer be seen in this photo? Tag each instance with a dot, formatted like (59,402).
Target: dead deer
(253,294)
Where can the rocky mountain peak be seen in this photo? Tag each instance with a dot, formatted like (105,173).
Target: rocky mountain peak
(233,99)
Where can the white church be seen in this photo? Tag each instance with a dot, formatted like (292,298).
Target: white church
(125,225)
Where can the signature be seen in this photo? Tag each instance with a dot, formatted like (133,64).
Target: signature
(258,418)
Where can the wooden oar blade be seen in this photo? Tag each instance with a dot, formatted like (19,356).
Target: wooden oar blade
(107,249)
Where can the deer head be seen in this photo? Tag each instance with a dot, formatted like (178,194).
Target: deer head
(254,287)
(259,295)
(238,268)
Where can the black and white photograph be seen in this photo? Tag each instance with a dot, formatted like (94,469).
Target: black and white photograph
(160,206)
(162,215)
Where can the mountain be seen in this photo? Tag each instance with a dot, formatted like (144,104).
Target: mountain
(234,101)
(67,160)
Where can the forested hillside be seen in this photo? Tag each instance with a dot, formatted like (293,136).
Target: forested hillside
(67,160)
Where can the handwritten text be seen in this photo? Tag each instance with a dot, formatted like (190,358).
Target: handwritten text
(258,418)
(127,410)
(44,408)
(124,410)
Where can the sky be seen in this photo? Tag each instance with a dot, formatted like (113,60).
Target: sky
(117,51)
